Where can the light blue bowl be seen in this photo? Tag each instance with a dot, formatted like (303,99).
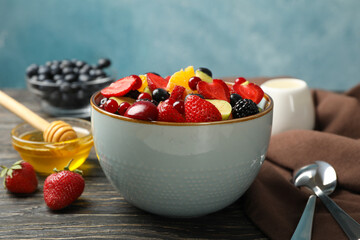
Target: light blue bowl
(180,169)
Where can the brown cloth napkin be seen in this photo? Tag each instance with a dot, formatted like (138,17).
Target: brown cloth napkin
(275,205)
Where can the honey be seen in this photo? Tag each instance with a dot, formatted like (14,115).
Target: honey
(44,157)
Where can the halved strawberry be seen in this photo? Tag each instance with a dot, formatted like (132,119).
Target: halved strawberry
(200,110)
(217,89)
(121,86)
(168,113)
(156,81)
(167,78)
(249,91)
(177,93)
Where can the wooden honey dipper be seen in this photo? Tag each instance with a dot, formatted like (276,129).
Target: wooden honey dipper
(56,131)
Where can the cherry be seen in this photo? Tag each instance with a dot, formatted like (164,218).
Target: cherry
(193,82)
(138,82)
(111,106)
(142,110)
(240,80)
(144,95)
(123,107)
(179,106)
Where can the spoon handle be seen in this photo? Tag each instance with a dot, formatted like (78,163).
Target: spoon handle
(23,112)
(347,223)
(304,227)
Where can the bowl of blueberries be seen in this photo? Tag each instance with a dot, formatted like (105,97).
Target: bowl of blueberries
(65,87)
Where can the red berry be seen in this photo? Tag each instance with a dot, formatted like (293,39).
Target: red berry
(179,106)
(168,113)
(144,95)
(123,107)
(155,81)
(217,89)
(121,86)
(249,91)
(200,110)
(240,80)
(63,187)
(193,82)
(177,93)
(142,110)
(138,82)
(20,177)
(111,106)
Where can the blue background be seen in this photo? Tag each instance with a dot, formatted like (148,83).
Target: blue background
(315,40)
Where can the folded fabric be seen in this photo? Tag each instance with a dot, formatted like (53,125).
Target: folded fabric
(275,205)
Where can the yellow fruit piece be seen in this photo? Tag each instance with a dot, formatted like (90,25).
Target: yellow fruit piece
(189,72)
(178,78)
(223,106)
(123,99)
(144,83)
(203,76)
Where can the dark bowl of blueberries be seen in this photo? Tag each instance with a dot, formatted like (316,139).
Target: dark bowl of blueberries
(65,87)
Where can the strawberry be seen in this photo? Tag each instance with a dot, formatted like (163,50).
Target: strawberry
(168,113)
(167,78)
(249,91)
(122,86)
(217,89)
(200,110)
(63,187)
(156,81)
(20,177)
(177,93)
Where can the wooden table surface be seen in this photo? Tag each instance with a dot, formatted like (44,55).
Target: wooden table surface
(101,212)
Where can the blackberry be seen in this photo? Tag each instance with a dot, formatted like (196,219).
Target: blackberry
(244,108)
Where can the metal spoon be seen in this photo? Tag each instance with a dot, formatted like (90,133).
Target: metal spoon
(316,178)
(327,183)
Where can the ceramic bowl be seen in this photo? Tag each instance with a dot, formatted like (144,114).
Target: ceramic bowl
(45,156)
(180,169)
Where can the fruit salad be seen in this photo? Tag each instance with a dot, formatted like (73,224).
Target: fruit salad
(185,96)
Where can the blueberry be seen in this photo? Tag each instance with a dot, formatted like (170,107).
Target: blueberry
(84,78)
(160,94)
(65,87)
(60,81)
(84,69)
(103,63)
(70,77)
(57,77)
(54,97)
(55,69)
(32,70)
(206,71)
(133,94)
(79,64)
(65,63)
(234,98)
(80,95)
(67,70)
(44,70)
(41,77)
(75,86)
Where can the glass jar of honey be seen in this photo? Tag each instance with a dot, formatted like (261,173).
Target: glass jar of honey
(45,156)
